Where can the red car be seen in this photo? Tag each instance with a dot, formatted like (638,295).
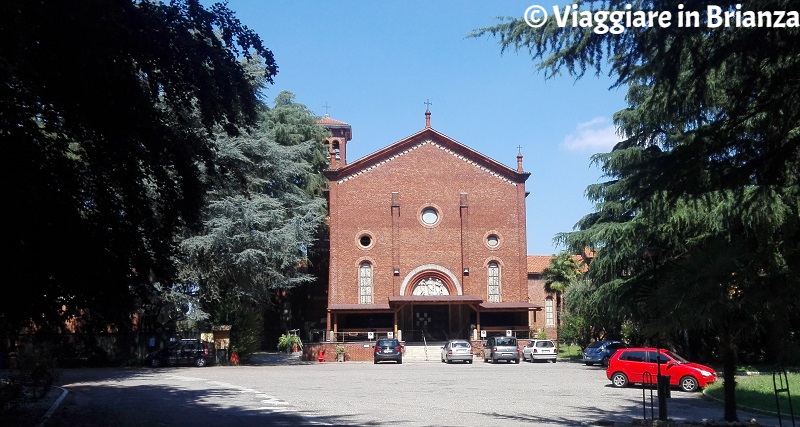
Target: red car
(639,365)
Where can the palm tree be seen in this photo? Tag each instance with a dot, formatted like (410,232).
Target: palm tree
(564,269)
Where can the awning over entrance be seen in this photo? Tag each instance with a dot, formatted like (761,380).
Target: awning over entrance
(394,302)
(505,306)
(360,307)
(399,300)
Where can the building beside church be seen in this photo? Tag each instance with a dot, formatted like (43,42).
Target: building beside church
(550,318)
(427,240)
(547,320)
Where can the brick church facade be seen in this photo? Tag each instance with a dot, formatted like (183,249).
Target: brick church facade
(427,240)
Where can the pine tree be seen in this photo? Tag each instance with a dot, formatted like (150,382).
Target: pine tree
(707,170)
(261,218)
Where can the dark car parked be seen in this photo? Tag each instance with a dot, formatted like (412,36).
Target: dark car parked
(183,352)
(388,350)
(601,351)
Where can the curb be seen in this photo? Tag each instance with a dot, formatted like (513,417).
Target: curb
(53,407)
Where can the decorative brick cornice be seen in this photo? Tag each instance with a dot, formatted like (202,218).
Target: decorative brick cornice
(410,149)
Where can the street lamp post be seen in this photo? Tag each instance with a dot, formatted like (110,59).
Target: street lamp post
(662,382)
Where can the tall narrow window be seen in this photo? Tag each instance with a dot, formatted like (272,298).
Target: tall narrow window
(549,318)
(494,282)
(365,283)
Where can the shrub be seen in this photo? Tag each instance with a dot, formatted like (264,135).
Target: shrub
(286,342)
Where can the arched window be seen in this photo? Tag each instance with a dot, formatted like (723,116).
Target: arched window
(493,281)
(549,314)
(365,283)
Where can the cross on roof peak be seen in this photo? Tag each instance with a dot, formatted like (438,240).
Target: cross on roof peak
(428,113)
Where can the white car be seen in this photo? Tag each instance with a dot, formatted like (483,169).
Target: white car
(540,350)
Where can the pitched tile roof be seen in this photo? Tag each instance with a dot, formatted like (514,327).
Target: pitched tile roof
(538,263)
(326,120)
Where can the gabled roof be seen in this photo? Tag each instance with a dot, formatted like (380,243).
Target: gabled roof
(426,136)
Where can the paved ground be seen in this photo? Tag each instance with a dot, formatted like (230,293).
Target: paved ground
(281,390)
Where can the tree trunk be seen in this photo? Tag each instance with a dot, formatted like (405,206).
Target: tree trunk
(729,380)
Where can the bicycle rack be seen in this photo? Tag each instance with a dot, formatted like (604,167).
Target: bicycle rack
(647,378)
(780,382)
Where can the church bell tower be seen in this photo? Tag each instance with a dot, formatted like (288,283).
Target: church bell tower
(337,141)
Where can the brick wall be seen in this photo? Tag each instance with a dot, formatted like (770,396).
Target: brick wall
(426,176)
(539,296)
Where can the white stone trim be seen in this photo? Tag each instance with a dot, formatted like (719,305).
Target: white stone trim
(435,267)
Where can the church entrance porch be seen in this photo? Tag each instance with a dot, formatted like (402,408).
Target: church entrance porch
(425,318)
(434,322)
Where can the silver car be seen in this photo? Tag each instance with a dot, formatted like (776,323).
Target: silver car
(457,350)
(540,350)
(501,348)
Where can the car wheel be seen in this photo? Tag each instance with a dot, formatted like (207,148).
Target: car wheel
(588,363)
(155,362)
(604,362)
(469,361)
(400,361)
(200,362)
(375,362)
(689,384)
(494,360)
(449,361)
(555,360)
(516,361)
(619,379)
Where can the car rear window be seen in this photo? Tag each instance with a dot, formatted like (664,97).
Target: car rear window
(595,344)
(544,344)
(506,341)
(388,343)
(461,344)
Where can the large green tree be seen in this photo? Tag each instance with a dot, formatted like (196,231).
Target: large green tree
(264,211)
(106,111)
(708,168)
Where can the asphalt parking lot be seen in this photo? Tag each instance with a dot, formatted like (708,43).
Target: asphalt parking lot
(425,393)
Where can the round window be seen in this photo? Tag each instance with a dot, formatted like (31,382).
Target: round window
(365,240)
(493,241)
(430,216)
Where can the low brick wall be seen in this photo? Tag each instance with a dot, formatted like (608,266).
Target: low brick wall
(353,351)
(362,351)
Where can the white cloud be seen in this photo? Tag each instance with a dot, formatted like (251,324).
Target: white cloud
(597,135)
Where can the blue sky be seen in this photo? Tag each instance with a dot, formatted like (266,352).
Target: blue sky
(376,63)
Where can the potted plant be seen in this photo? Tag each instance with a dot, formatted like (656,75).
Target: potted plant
(340,353)
(288,343)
